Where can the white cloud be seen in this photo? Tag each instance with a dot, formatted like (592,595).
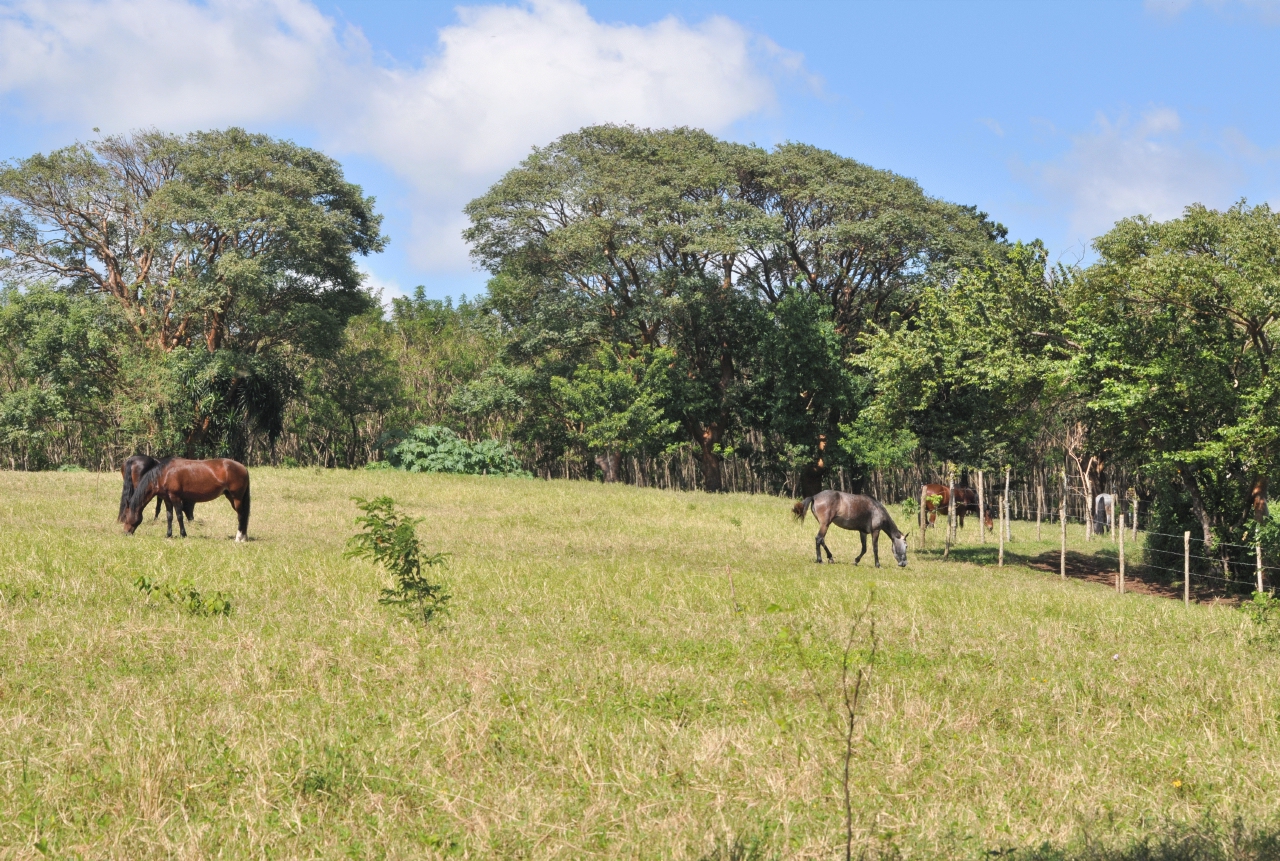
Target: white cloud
(127,63)
(385,289)
(508,77)
(1126,168)
(1167,8)
(1268,11)
(505,78)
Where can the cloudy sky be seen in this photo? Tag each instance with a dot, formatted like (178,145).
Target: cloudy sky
(1056,118)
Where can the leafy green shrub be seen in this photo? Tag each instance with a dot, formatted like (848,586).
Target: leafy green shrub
(186,597)
(71,467)
(1264,611)
(437,449)
(378,465)
(390,540)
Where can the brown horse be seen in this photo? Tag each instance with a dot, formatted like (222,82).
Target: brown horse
(966,503)
(852,511)
(181,484)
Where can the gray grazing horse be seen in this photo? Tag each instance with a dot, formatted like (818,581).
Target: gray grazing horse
(852,511)
(1103,509)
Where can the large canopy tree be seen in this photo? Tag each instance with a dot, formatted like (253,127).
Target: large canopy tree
(224,251)
(756,269)
(629,235)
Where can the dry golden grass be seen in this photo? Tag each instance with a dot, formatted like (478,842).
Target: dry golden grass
(592,693)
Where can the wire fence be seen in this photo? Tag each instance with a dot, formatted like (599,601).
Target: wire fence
(1103,518)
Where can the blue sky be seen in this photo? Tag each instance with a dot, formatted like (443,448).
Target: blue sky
(1056,118)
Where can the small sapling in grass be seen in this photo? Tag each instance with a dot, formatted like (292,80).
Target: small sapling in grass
(855,678)
(390,539)
(186,597)
(1264,611)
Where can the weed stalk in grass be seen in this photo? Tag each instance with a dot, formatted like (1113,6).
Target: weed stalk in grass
(853,685)
(390,539)
(733,597)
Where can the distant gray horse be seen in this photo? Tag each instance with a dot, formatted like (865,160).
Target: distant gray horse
(852,511)
(1103,510)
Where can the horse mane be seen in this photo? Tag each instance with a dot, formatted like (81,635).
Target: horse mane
(893,527)
(146,481)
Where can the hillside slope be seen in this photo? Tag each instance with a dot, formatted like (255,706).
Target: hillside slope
(593,692)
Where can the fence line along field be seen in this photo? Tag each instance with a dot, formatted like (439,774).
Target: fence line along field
(594,690)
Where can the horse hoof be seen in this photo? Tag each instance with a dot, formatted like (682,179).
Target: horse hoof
(240,536)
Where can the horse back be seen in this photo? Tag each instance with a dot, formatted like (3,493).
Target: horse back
(939,490)
(203,480)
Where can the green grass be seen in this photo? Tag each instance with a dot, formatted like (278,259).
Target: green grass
(592,693)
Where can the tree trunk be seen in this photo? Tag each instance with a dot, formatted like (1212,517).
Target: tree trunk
(1258,500)
(610,463)
(708,438)
(813,476)
(1197,503)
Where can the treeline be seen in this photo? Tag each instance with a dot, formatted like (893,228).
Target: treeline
(664,308)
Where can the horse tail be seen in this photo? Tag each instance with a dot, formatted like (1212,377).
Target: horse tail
(802,507)
(243,511)
(125,494)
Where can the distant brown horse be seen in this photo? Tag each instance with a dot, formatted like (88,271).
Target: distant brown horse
(181,483)
(852,511)
(966,503)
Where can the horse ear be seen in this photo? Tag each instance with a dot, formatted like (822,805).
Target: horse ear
(905,534)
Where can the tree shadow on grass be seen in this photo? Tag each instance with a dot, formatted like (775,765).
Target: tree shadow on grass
(1101,567)
(1204,843)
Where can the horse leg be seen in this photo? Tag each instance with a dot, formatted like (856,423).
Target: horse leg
(820,542)
(875,546)
(168,511)
(241,506)
(863,536)
(182,524)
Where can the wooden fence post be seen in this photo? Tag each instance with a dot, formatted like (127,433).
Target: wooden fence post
(951,510)
(1008,535)
(982,510)
(1111,518)
(1258,547)
(1186,569)
(1000,528)
(1039,506)
(952,518)
(1120,535)
(920,514)
(924,520)
(1088,507)
(1062,555)
(1135,517)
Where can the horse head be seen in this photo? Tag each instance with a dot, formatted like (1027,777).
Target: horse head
(140,487)
(899,543)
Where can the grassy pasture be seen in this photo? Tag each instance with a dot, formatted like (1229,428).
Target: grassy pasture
(592,693)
